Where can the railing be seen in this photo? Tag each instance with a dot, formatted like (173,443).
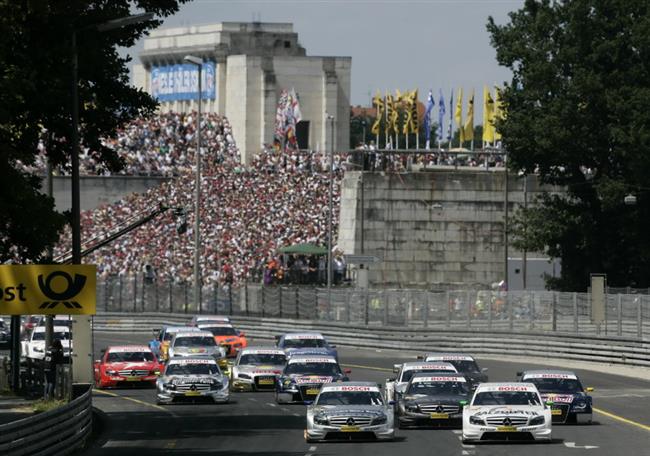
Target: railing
(545,311)
(32,378)
(57,432)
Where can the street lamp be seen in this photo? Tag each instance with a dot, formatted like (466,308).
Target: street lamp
(329,214)
(197,189)
(83,325)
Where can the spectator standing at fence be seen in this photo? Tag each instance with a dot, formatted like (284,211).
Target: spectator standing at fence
(53,359)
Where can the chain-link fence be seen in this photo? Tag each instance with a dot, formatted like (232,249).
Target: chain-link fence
(548,311)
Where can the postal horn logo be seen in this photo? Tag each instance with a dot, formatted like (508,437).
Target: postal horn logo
(73,288)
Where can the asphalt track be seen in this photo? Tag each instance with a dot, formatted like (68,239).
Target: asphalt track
(253,424)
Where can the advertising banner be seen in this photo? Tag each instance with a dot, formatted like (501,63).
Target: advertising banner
(181,82)
(48,289)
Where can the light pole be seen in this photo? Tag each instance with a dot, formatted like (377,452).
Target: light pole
(82,327)
(329,214)
(197,190)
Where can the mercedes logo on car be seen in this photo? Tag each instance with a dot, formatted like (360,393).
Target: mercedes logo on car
(350,421)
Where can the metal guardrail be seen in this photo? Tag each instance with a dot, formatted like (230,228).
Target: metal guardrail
(548,311)
(56,432)
(608,349)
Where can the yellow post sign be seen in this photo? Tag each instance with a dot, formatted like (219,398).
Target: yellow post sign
(48,289)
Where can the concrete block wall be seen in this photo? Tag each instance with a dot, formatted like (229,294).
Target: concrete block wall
(430,227)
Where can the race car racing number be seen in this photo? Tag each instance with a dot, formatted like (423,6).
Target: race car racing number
(132,379)
(439,416)
(350,429)
(312,391)
(556,412)
(193,393)
(266,381)
(506,429)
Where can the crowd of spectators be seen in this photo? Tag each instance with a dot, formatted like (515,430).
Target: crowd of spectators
(247,212)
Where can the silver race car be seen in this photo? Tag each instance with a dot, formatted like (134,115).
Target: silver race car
(257,369)
(395,386)
(192,379)
(350,411)
(195,343)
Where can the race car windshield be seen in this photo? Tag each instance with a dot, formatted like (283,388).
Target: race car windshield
(259,358)
(465,366)
(438,388)
(192,369)
(506,398)
(168,336)
(556,385)
(197,341)
(407,375)
(304,343)
(55,335)
(312,369)
(129,357)
(221,331)
(350,398)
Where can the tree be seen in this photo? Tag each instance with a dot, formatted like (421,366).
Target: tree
(577,115)
(35,81)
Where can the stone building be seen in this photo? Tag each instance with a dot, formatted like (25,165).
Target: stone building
(247,66)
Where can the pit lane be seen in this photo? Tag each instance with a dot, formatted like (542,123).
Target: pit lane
(253,424)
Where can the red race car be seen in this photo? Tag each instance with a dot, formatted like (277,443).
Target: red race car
(127,365)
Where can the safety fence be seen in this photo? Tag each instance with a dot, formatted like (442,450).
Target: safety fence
(59,431)
(32,378)
(546,311)
(604,349)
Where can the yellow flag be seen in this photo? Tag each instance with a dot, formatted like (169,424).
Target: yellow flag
(415,123)
(458,115)
(498,111)
(394,115)
(469,121)
(390,109)
(488,116)
(406,103)
(378,103)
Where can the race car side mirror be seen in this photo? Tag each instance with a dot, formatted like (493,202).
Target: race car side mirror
(463,403)
(484,369)
(241,334)
(520,373)
(392,402)
(391,379)
(419,357)
(308,403)
(396,368)
(347,371)
(549,403)
(277,338)
(589,389)
(332,346)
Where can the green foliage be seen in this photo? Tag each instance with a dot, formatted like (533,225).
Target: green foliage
(577,116)
(35,82)
(42,405)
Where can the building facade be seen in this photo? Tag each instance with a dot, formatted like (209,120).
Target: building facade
(247,65)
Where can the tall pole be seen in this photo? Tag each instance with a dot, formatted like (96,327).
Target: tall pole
(524,267)
(329,214)
(505,221)
(197,205)
(74,158)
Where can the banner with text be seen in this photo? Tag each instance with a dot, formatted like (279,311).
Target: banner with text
(181,82)
(48,289)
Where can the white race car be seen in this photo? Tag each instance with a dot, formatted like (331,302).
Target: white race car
(34,347)
(506,411)
(192,379)
(395,386)
(257,368)
(350,411)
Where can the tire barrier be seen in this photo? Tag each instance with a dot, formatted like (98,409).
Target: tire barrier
(56,432)
(604,349)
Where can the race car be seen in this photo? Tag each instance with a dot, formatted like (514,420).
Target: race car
(257,368)
(226,336)
(192,379)
(350,411)
(127,365)
(395,386)
(306,343)
(571,404)
(464,364)
(208,319)
(195,343)
(160,344)
(433,400)
(34,347)
(304,375)
(506,411)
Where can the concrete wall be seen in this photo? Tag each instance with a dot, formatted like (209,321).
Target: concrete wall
(432,227)
(98,190)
